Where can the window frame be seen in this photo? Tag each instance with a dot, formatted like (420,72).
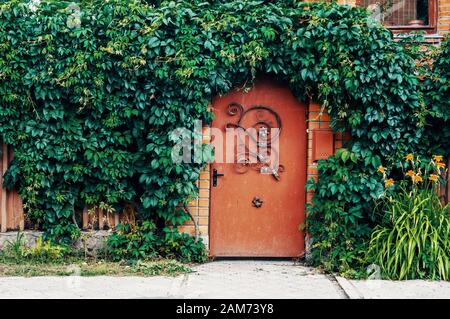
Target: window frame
(430,28)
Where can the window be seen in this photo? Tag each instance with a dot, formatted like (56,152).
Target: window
(403,15)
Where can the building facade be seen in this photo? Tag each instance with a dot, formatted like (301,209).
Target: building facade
(316,137)
(429,16)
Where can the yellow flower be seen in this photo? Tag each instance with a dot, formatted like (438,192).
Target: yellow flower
(410,173)
(433,177)
(417,179)
(438,158)
(440,165)
(409,157)
(381,169)
(389,182)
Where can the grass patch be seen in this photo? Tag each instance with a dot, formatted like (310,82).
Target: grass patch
(92,267)
(48,259)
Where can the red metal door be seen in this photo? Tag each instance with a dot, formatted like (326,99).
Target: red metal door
(252,212)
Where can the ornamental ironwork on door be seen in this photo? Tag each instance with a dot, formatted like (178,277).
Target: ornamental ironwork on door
(257,146)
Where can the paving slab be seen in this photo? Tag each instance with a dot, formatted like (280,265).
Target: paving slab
(220,279)
(387,289)
(252,279)
(258,279)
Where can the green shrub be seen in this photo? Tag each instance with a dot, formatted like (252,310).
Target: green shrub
(144,241)
(413,239)
(45,251)
(433,68)
(339,218)
(15,249)
(414,242)
(437,84)
(437,93)
(182,246)
(138,242)
(41,252)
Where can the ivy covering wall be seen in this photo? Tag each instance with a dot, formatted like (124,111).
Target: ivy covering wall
(90,92)
(437,97)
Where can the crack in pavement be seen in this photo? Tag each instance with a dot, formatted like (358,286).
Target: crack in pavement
(338,286)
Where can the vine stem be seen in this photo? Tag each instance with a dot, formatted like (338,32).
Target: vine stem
(74,218)
(197,232)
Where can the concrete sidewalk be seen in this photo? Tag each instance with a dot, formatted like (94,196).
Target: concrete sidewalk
(222,279)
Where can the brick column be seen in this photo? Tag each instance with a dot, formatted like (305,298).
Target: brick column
(199,207)
(318,118)
(349,2)
(443,23)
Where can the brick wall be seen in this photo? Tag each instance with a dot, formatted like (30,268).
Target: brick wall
(199,207)
(443,23)
(349,2)
(319,119)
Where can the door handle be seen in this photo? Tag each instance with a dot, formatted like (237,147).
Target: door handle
(215,175)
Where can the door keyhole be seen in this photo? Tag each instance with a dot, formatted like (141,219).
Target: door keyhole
(257,202)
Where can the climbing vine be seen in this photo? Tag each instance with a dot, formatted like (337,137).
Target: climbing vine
(437,95)
(90,92)
(342,215)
